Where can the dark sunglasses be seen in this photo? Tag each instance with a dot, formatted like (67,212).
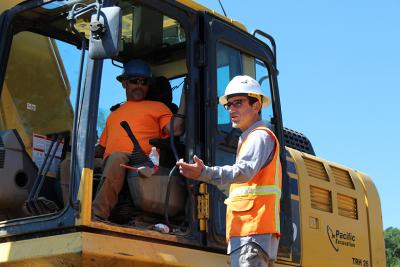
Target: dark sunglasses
(142,81)
(235,103)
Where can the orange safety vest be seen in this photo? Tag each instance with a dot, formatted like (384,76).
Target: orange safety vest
(253,207)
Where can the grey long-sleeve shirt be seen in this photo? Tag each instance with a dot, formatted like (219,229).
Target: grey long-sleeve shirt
(257,152)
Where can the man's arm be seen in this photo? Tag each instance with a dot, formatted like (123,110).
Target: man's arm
(256,153)
(179,126)
(179,118)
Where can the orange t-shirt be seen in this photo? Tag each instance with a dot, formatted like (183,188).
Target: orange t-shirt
(146,120)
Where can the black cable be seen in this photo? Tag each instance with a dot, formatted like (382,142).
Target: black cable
(173,147)
(171,139)
(177,86)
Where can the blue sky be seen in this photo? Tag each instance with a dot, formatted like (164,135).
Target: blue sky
(339,80)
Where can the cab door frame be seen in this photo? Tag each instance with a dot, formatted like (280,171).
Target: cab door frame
(217,30)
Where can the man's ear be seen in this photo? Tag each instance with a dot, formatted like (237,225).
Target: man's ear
(257,106)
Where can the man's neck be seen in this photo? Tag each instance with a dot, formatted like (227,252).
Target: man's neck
(254,120)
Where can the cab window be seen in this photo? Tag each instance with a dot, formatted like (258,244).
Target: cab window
(230,63)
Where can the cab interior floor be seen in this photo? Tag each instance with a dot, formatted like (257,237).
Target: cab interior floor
(147,221)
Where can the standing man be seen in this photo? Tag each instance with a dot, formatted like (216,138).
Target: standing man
(252,219)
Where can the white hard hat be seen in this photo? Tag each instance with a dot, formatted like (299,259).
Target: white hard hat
(244,85)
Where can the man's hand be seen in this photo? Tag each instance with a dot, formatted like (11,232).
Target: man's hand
(192,171)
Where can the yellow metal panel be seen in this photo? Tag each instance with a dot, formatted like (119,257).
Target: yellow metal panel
(339,240)
(89,249)
(316,169)
(35,76)
(169,70)
(44,251)
(347,206)
(249,65)
(107,251)
(295,197)
(321,199)
(375,220)
(342,177)
(11,118)
(85,196)
(7,4)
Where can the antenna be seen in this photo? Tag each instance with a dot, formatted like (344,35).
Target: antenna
(223,10)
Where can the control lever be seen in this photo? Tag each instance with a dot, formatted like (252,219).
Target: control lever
(137,157)
(138,161)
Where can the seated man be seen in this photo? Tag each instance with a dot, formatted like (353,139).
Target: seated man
(147,120)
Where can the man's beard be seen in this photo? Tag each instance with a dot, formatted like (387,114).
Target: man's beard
(137,94)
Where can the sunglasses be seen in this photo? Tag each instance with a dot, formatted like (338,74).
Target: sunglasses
(142,81)
(235,103)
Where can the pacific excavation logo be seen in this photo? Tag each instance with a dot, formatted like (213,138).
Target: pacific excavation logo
(339,238)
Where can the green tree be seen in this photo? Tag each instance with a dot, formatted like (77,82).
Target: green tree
(392,244)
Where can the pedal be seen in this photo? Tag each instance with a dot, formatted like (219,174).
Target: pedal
(40,206)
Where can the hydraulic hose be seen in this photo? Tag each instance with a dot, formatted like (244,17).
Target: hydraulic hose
(167,194)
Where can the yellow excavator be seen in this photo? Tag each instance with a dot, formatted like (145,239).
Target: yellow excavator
(330,213)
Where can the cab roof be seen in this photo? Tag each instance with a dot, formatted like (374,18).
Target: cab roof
(6,4)
(198,7)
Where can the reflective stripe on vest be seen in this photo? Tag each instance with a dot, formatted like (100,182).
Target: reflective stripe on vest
(255,191)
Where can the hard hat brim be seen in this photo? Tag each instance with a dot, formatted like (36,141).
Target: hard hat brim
(265,100)
(122,77)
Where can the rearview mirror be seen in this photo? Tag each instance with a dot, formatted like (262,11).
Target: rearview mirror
(105,33)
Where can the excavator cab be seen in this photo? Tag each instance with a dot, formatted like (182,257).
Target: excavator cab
(43,111)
